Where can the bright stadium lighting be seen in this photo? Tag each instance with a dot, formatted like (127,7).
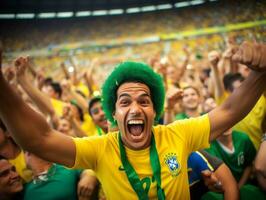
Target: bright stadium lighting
(133,10)
(182,4)
(196,2)
(47,15)
(25,15)
(164,6)
(148,8)
(83,13)
(64,14)
(7,16)
(116,11)
(99,12)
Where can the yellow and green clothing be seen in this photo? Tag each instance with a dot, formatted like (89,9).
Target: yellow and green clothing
(174,143)
(243,155)
(251,124)
(20,164)
(60,183)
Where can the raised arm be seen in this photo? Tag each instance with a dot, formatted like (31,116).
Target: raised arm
(237,106)
(30,129)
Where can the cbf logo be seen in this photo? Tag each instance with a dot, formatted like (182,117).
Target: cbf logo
(172,163)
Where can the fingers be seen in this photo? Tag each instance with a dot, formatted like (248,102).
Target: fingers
(214,58)
(252,54)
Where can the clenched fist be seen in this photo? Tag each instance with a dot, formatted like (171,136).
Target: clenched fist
(251,54)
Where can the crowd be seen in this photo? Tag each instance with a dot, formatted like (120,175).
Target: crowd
(185,120)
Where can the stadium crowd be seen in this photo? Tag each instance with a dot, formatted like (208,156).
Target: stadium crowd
(188,124)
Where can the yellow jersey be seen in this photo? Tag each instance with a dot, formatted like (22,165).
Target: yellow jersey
(174,143)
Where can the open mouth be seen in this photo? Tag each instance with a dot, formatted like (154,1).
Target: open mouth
(135,127)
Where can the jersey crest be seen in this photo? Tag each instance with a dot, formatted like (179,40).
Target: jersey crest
(172,163)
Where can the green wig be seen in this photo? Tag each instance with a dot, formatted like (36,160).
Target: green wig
(132,72)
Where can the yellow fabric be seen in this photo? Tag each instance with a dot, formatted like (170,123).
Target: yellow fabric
(221,99)
(88,125)
(251,124)
(174,141)
(83,88)
(58,106)
(20,164)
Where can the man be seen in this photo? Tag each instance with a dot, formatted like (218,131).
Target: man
(97,114)
(146,162)
(10,182)
(260,164)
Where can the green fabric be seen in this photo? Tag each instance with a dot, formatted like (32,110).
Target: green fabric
(212,196)
(243,156)
(61,184)
(133,177)
(181,116)
(248,192)
(100,131)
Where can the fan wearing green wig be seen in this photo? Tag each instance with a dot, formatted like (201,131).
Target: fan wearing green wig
(132,72)
(140,160)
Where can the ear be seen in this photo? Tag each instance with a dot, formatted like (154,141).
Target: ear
(113,114)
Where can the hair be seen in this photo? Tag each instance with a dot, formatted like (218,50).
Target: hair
(230,78)
(132,72)
(92,102)
(80,111)
(57,88)
(192,87)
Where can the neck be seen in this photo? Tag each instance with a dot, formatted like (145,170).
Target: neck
(192,113)
(40,167)
(10,150)
(226,140)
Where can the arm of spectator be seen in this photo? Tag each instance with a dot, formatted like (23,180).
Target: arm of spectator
(64,70)
(173,95)
(68,114)
(260,165)
(214,58)
(81,101)
(228,182)
(40,99)
(87,185)
(244,176)
(238,105)
(30,129)
(88,76)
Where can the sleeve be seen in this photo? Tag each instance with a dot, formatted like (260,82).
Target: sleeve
(88,151)
(212,160)
(194,131)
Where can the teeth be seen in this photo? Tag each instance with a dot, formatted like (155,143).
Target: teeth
(135,122)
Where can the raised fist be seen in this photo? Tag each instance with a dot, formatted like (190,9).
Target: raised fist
(251,54)
(214,57)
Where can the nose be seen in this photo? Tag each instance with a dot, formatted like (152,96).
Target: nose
(135,109)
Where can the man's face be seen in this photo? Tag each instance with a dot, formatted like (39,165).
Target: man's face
(236,84)
(10,182)
(135,114)
(64,126)
(190,99)
(98,116)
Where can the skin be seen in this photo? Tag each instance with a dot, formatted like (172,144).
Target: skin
(10,182)
(98,116)
(53,146)
(190,99)
(134,103)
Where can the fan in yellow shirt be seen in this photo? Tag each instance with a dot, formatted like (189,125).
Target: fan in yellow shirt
(152,160)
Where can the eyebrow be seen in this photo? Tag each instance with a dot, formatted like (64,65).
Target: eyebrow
(127,95)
